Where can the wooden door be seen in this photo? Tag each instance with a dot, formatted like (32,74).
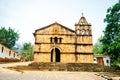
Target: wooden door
(100,60)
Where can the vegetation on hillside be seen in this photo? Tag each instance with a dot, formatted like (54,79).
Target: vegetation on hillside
(26,51)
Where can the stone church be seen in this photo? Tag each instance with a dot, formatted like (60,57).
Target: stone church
(58,43)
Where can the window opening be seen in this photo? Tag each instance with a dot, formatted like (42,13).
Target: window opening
(51,40)
(2,49)
(60,40)
(94,59)
(56,40)
(9,53)
(83,32)
(87,32)
(78,31)
(107,61)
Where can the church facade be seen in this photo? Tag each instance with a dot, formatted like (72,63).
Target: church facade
(57,43)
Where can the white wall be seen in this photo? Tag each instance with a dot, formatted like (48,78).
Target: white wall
(106,61)
(5,53)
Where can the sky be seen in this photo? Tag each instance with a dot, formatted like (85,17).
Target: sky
(25,16)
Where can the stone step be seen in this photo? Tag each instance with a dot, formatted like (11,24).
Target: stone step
(50,66)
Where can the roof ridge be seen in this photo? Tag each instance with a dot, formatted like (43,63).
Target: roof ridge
(53,24)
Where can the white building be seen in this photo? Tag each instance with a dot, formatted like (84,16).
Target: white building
(102,59)
(7,53)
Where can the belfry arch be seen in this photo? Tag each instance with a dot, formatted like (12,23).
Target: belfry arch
(55,55)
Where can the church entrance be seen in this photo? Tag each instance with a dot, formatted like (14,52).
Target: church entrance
(55,55)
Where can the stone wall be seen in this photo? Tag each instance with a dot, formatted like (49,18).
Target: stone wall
(48,47)
(64,58)
(42,57)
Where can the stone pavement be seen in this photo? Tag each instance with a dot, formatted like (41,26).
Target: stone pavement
(6,74)
(37,75)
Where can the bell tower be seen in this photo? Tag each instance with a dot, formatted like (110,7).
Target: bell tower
(83,41)
(83,27)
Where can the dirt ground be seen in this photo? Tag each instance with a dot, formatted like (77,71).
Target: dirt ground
(15,73)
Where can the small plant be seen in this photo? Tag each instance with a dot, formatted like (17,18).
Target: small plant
(116,65)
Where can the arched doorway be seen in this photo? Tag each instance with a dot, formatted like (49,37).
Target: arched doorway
(55,55)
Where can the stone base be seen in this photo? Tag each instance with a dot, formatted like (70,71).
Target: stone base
(55,66)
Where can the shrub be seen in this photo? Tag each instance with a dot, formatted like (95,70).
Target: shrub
(116,65)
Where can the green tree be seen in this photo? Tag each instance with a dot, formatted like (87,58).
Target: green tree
(8,37)
(27,51)
(97,48)
(111,38)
